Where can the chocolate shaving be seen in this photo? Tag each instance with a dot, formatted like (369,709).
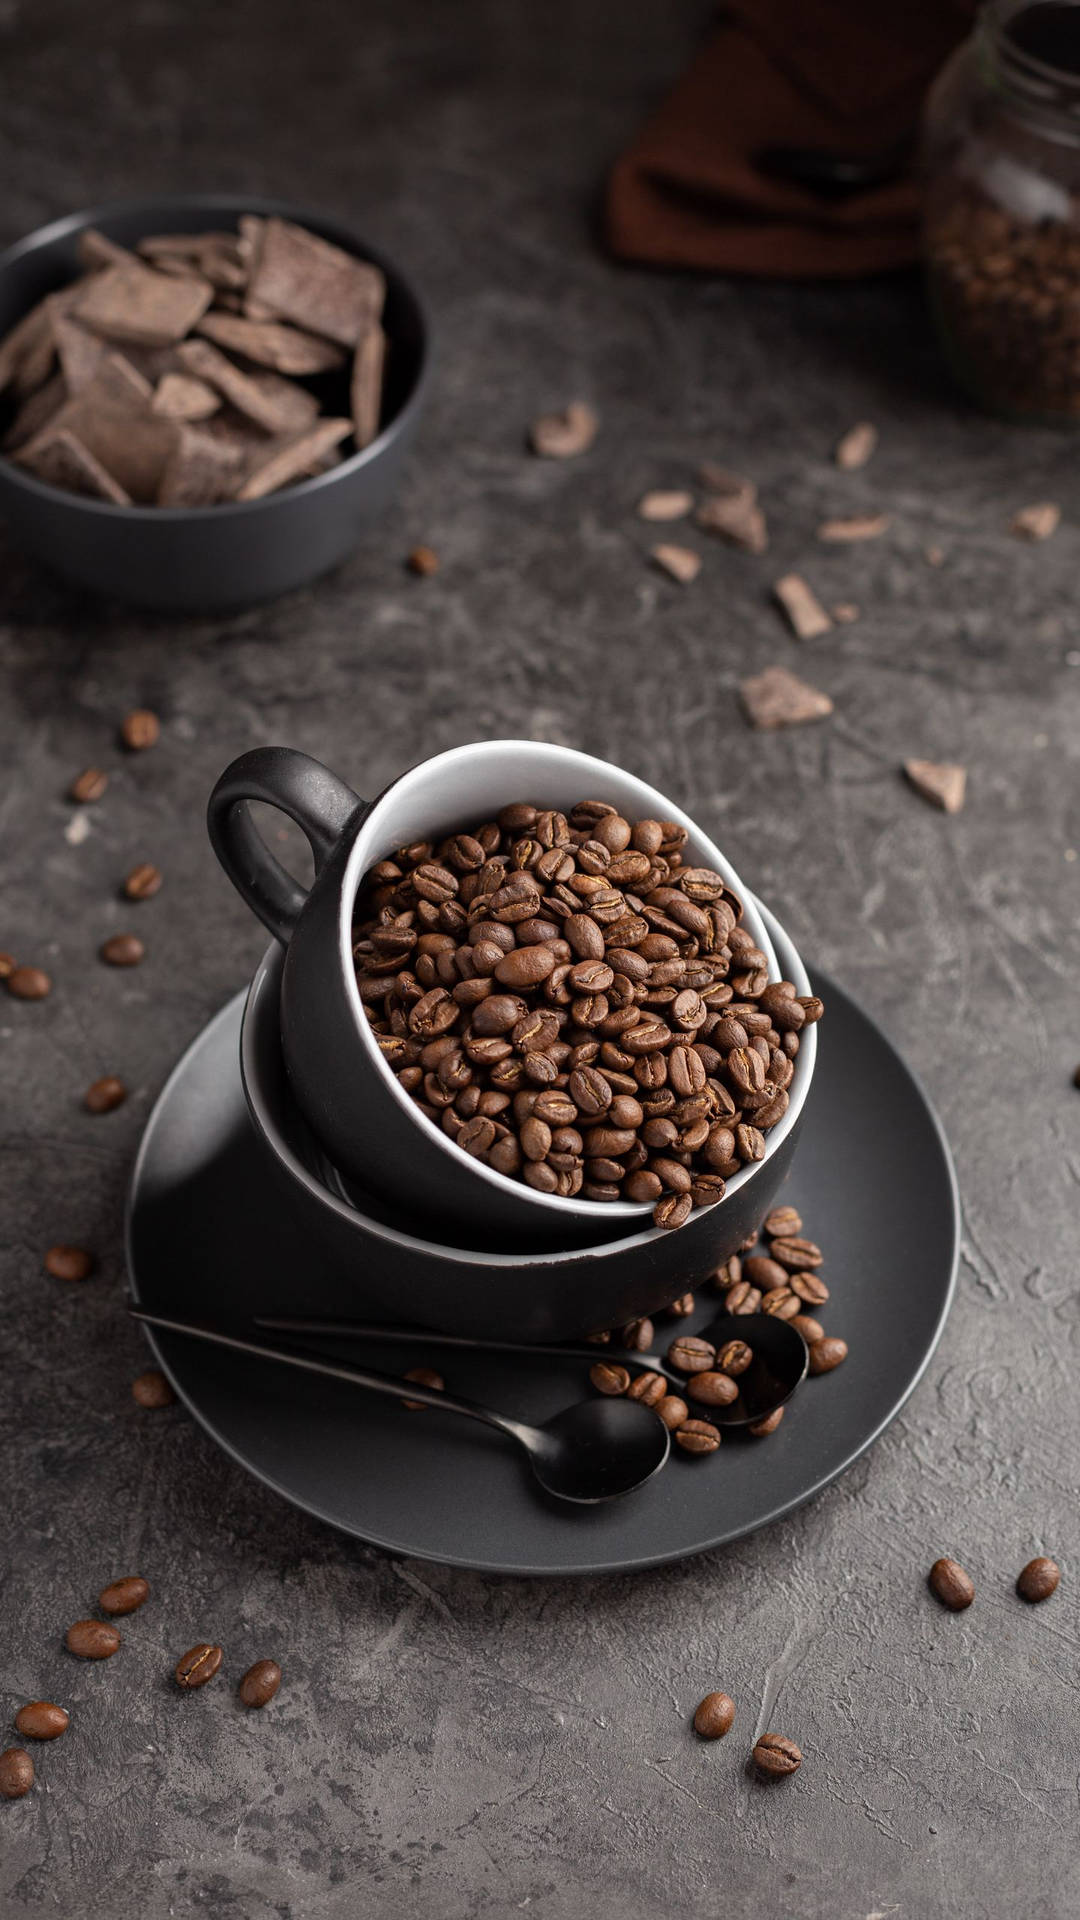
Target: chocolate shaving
(672,505)
(366,385)
(942,783)
(777,698)
(132,302)
(859,526)
(302,278)
(806,615)
(681,563)
(1037,522)
(273,344)
(856,446)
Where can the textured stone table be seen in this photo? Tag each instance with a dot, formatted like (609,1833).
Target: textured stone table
(445,1744)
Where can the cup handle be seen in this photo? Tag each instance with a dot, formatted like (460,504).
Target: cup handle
(321,805)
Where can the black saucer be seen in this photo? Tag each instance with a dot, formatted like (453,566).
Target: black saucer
(209,1235)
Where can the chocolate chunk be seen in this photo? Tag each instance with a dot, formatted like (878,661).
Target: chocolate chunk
(63,461)
(80,351)
(132,302)
(942,784)
(777,698)
(806,615)
(35,412)
(276,405)
(319,286)
(95,250)
(681,563)
(180,396)
(205,467)
(23,340)
(270,343)
(732,511)
(366,385)
(673,505)
(1037,522)
(858,526)
(856,446)
(291,461)
(112,419)
(216,257)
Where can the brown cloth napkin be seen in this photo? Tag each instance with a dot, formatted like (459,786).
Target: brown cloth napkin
(845,76)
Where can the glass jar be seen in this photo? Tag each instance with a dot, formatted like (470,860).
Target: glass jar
(1001,176)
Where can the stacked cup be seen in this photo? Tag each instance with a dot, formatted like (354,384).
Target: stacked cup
(412,1228)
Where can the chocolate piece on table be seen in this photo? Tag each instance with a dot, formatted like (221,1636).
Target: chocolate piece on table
(856,446)
(133,303)
(276,405)
(681,563)
(272,343)
(293,459)
(806,616)
(732,512)
(180,396)
(857,526)
(941,782)
(777,698)
(367,384)
(305,279)
(63,461)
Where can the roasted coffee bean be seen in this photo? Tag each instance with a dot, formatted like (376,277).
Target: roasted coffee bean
(672,1211)
(69,1263)
(16,1773)
(776,1756)
(764,1273)
(260,1683)
(697,1436)
(683,1307)
(761,1428)
(734,1357)
(674,1176)
(525,967)
(609,1379)
(198,1665)
(88,786)
(140,729)
(781,1302)
(783,1223)
(826,1354)
(41,1720)
(142,882)
(105,1095)
(742,1298)
(649,1387)
(712,1389)
(152,1390)
(92,1640)
(638,1336)
(810,1288)
(810,1328)
(749,1143)
(1037,1581)
(714,1716)
(124,1596)
(795,1253)
(123,950)
(642,1187)
(690,1354)
(590,1091)
(948,1581)
(423,1377)
(28,983)
(672,1411)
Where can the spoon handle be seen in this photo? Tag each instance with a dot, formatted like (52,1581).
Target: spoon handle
(384,1383)
(410,1336)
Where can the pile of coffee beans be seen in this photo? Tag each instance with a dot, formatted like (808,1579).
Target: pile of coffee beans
(99,1640)
(578,1007)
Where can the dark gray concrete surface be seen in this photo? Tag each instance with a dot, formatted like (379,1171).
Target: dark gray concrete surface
(447,1745)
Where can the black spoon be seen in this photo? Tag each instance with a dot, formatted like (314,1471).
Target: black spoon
(593,1451)
(778,1366)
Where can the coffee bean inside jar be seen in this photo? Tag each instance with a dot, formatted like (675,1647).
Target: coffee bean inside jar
(577,1006)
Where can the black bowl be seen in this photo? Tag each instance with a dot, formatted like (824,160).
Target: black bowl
(209,559)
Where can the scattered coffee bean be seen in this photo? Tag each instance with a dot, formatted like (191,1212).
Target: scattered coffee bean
(7,965)
(810,1288)
(782,1223)
(69,1263)
(714,1716)
(712,1389)
(88,786)
(142,882)
(123,950)
(152,1390)
(607,1378)
(41,1720)
(423,560)
(763,1273)
(683,1307)
(952,1586)
(649,1387)
(1038,1580)
(560,436)
(672,1411)
(105,1095)
(92,1640)
(638,1336)
(423,1377)
(734,1357)
(827,1353)
(742,1298)
(761,1428)
(16,1773)
(125,1595)
(260,1683)
(942,784)
(795,1253)
(579,970)
(690,1354)
(140,729)
(776,1756)
(697,1436)
(198,1665)
(28,983)
(810,1328)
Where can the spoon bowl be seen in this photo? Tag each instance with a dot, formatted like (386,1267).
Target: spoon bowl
(598,1450)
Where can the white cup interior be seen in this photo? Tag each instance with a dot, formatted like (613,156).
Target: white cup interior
(460,789)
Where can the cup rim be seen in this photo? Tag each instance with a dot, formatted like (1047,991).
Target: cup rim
(324,224)
(263,1120)
(361,855)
